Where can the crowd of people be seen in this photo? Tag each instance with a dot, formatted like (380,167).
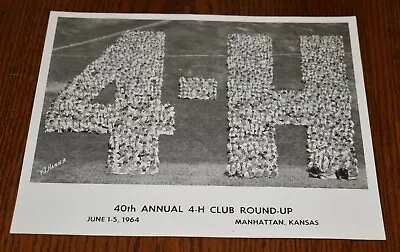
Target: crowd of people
(252,151)
(197,88)
(331,132)
(134,63)
(255,109)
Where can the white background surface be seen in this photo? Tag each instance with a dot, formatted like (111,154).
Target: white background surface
(64,208)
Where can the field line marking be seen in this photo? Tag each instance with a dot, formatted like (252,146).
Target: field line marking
(108,36)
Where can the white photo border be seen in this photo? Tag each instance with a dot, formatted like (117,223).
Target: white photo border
(63,208)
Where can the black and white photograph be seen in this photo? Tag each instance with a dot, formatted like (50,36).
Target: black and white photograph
(200,125)
(179,102)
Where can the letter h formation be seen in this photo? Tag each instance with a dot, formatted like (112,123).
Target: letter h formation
(255,108)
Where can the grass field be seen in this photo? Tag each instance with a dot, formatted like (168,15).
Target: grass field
(196,153)
(189,174)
